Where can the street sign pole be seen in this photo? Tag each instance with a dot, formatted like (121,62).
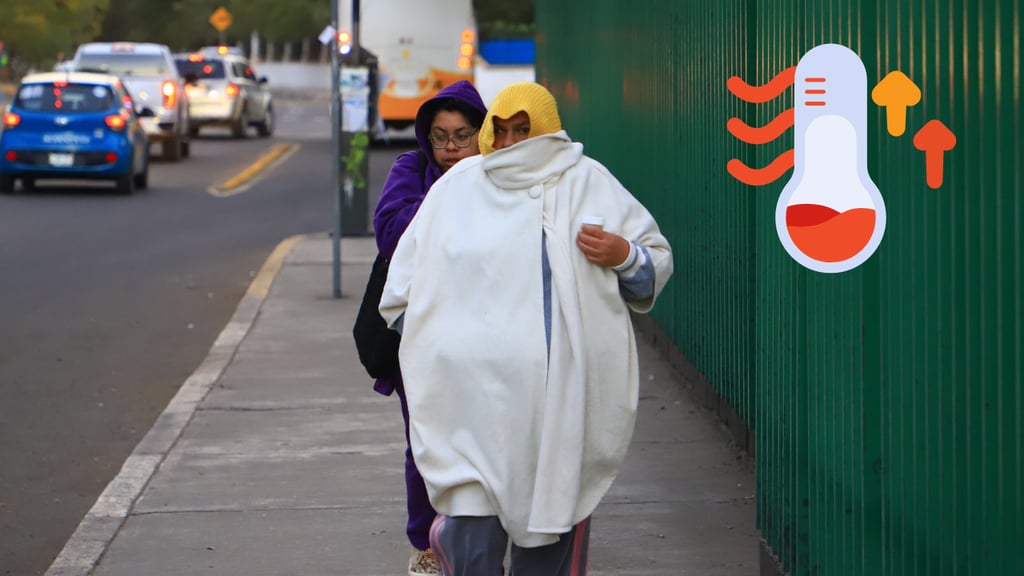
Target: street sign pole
(356,94)
(356,46)
(336,146)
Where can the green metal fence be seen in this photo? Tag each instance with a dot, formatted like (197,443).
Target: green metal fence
(887,401)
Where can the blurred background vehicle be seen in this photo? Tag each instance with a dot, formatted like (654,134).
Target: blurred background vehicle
(226,92)
(72,125)
(221,50)
(149,72)
(420,46)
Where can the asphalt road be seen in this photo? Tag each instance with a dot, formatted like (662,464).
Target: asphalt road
(108,303)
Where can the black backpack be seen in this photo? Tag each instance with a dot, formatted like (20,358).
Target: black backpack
(377,344)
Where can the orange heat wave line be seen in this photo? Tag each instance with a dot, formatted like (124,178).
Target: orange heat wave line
(761,176)
(765,92)
(763,134)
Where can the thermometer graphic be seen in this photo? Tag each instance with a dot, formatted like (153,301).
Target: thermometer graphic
(830,216)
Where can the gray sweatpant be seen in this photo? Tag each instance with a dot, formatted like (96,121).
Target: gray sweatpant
(475,546)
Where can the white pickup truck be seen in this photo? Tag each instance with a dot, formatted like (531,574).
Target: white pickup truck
(151,77)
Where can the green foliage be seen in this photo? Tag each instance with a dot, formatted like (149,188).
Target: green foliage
(279,21)
(512,11)
(184,24)
(504,30)
(39,33)
(504,19)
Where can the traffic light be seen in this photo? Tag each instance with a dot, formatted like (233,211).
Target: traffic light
(344,42)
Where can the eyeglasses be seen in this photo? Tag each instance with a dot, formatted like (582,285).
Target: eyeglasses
(440,141)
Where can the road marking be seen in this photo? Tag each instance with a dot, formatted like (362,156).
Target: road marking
(244,179)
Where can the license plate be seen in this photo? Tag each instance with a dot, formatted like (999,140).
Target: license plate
(62,160)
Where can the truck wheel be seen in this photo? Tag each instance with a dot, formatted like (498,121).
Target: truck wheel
(172,149)
(239,128)
(266,128)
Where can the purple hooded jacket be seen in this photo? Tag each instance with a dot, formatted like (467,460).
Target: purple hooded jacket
(405,188)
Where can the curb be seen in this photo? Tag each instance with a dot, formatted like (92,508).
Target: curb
(97,530)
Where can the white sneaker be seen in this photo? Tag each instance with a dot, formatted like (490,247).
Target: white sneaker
(423,563)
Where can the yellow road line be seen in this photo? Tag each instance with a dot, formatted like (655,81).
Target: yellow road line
(260,286)
(236,183)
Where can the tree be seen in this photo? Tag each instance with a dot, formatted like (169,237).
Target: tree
(504,19)
(38,33)
(184,24)
(39,30)
(279,21)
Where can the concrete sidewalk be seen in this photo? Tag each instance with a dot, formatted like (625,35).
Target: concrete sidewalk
(277,458)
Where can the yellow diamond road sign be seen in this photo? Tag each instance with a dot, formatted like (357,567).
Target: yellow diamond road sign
(220,19)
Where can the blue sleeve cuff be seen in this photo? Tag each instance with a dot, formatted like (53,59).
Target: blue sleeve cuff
(636,275)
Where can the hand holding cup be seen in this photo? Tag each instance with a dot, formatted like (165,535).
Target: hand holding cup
(599,247)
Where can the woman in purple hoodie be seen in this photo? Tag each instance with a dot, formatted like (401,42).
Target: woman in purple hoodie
(446,130)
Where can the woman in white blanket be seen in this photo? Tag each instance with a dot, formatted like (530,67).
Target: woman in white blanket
(517,346)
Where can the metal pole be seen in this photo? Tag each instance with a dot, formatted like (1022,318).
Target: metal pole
(336,158)
(356,48)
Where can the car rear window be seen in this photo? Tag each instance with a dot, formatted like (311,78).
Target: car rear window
(123,64)
(201,68)
(66,99)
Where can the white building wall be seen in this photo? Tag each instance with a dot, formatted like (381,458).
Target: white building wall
(489,80)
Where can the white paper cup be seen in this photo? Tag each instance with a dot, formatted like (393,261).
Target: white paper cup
(593,221)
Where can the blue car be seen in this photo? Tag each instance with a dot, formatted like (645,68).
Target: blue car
(73,125)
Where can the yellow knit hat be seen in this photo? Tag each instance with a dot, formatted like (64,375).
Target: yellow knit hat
(528,97)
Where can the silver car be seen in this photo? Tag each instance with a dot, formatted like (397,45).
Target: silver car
(149,73)
(226,92)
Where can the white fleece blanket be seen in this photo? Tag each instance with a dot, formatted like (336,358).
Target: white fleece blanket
(497,427)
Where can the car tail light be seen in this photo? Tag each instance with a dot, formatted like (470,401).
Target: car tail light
(116,122)
(170,92)
(232,90)
(111,157)
(11,120)
(12,156)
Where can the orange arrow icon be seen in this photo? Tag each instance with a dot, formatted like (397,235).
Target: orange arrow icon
(895,92)
(935,139)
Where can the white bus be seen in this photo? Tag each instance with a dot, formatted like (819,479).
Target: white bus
(421,46)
